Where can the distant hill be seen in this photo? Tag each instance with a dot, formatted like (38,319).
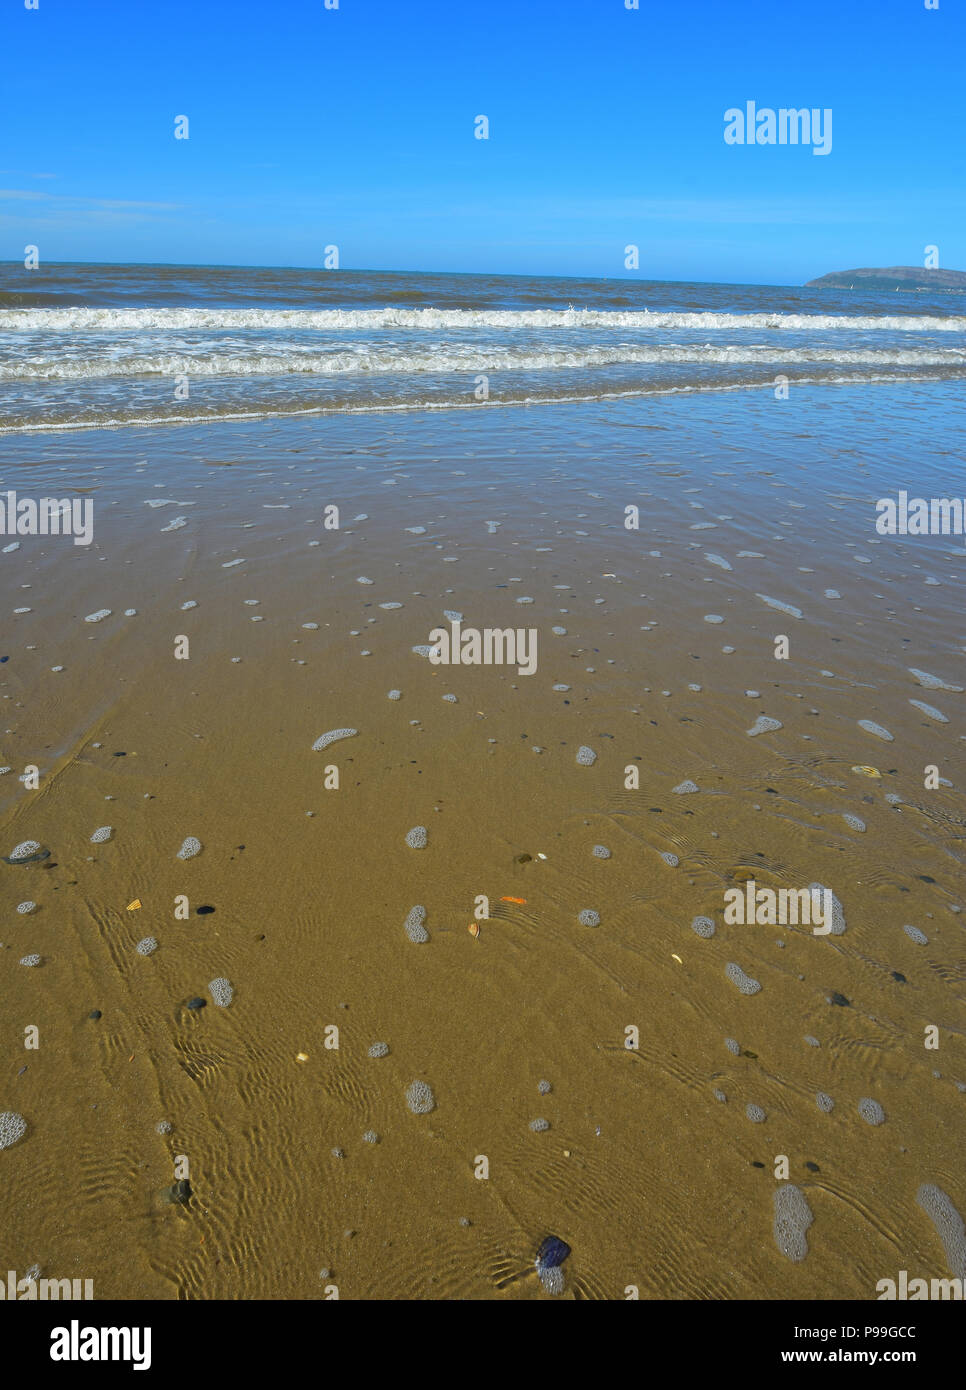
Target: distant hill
(891,277)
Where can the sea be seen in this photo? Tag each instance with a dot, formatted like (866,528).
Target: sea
(105,346)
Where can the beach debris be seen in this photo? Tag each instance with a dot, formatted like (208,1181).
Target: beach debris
(133,907)
(196,1003)
(178,1194)
(474,929)
(304,1057)
(521,901)
(864,770)
(552,1253)
(333,736)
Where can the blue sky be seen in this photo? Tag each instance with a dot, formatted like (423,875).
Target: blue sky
(354,127)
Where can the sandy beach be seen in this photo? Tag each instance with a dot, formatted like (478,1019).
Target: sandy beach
(656,650)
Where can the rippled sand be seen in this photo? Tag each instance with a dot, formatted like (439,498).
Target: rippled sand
(651,1177)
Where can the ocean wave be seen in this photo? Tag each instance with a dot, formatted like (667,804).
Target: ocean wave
(135,320)
(401,362)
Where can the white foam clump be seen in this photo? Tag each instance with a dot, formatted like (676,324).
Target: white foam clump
(586,757)
(99,616)
(416,838)
(685,788)
(416,530)
(24,850)
(793,1216)
(424,649)
(559,631)
(588,917)
(600,852)
(364,579)
(390,606)
(871,1111)
(175,524)
(147,946)
(853,822)
(948,1223)
(540,1126)
(824,1102)
(755,1114)
(332,736)
(26,907)
(914,934)
(420,1098)
(718,560)
(13,1127)
(221,992)
(703,926)
(413,925)
(190,848)
(379,1049)
(788,608)
(764,724)
(670,859)
(188,604)
(929,682)
(451,615)
(930,711)
(394,695)
(230,564)
(552,1278)
(837,925)
(103,833)
(30,960)
(738,977)
(713,618)
(871,727)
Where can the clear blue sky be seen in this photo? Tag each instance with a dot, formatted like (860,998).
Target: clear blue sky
(354,126)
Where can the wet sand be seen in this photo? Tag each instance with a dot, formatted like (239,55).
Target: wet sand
(651,1180)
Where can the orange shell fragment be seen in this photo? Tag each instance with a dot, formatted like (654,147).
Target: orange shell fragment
(132,907)
(474,929)
(513,900)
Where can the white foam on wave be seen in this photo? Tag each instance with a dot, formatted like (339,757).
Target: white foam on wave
(77,319)
(470,357)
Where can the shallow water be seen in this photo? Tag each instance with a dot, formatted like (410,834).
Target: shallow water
(648,1177)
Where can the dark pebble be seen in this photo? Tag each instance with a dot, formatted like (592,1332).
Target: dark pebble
(553,1251)
(812,1167)
(523,858)
(839,999)
(897,975)
(94,1013)
(120,755)
(178,1193)
(197,1003)
(204,910)
(756,1164)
